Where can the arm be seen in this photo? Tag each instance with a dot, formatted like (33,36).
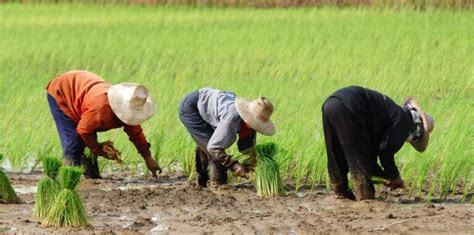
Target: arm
(86,129)
(136,136)
(246,145)
(223,137)
(390,169)
(392,140)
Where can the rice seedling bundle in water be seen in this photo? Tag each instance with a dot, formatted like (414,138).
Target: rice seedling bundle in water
(7,194)
(67,209)
(267,173)
(48,187)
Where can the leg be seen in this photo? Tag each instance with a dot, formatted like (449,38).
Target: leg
(218,172)
(360,160)
(337,165)
(201,166)
(200,131)
(353,140)
(72,144)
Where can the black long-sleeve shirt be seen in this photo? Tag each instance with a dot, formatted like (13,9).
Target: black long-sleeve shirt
(387,123)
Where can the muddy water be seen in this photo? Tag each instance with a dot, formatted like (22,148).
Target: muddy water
(171,205)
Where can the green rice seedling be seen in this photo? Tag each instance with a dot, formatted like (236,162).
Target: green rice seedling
(267,173)
(42,152)
(7,194)
(332,53)
(67,209)
(378,180)
(48,187)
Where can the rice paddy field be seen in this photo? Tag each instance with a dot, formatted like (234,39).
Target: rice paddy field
(295,57)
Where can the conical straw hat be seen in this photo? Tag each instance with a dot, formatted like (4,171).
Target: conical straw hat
(257,114)
(428,125)
(131,103)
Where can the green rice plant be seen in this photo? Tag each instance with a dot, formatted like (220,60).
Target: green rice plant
(67,209)
(332,50)
(189,165)
(378,180)
(7,194)
(48,187)
(44,151)
(267,173)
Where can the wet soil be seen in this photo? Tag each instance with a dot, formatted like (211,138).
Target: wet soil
(172,205)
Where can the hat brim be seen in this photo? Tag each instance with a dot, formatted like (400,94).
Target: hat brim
(421,143)
(127,114)
(262,127)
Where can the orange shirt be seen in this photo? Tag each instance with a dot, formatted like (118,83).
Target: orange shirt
(82,96)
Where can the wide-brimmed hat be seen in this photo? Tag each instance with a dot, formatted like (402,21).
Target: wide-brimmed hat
(257,114)
(421,143)
(131,103)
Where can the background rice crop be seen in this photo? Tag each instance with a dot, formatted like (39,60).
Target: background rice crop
(295,57)
(414,4)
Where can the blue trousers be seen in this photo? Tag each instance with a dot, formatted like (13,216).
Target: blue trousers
(71,143)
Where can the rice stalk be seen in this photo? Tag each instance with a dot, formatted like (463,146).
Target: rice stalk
(48,187)
(67,209)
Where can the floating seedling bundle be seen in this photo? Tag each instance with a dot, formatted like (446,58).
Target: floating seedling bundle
(267,173)
(7,194)
(67,209)
(48,187)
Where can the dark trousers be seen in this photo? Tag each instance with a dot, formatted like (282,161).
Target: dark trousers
(201,132)
(71,143)
(348,150)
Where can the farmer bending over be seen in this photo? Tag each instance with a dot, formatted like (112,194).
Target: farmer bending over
(214,118)
(82,104)
(361,125)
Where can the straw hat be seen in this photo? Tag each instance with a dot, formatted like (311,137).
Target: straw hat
(428,125)
(131,103)
(257,114)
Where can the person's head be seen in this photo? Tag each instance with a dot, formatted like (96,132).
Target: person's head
(131,103)
(256,114)
(420,143)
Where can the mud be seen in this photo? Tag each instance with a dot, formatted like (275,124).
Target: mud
(172,205)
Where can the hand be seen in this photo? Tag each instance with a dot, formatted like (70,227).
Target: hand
(252,161)
(238,169)
(395,183)
(107,150)
(153,166)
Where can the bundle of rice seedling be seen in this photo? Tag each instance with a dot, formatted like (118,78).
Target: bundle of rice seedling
(67,209)
(112,152)
(7,194)
(48,187)
(267,173)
